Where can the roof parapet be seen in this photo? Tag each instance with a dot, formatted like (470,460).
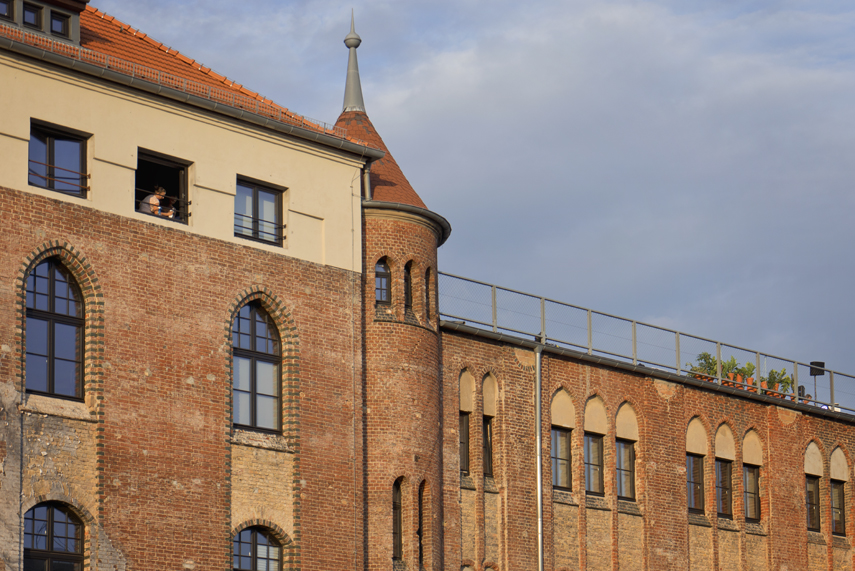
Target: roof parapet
(353,87)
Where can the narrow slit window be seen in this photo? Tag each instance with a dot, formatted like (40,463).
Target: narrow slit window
(625,468)
(751,482)
(488,445)
(464,442)
(561,473)
(812,503)
(427,294)
(382,283)
(724,487)
(397,522)
(255,370)
(594,464)
(695,482)
(838,507)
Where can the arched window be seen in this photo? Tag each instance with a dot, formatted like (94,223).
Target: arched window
(563,422)
(254,549)
(596,425)
(382,283)
(626,435)
(397,522)
(53,538)
(696,451)
(408,285)
(256,369)
(54,332)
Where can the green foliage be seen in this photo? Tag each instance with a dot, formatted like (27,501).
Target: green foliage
(781,378)
(706,365)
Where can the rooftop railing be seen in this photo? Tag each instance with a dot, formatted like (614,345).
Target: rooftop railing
(218,95)
(502,310)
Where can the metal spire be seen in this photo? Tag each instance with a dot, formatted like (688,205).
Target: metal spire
(352,88)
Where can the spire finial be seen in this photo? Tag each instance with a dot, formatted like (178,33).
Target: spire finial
(352,87)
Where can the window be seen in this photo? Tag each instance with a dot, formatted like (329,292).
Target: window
(464,442)
(53,539)
(254,549)
(408,286)
(427,294)
(488,445)
(397,522)
(256,369)
(54,332)
(561,473)
(838,507)
(57,161)
(594,464)
(32,16)
(161,186)
(6,10)
(58,24)
(751,481)
(421,530)
(257,213)
(382,283)
(724,487)
(812,502)
(625,469)
(695,482)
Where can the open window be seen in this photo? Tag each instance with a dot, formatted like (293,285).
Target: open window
(161,187)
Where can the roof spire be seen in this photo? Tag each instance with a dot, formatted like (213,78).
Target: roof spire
(352,88)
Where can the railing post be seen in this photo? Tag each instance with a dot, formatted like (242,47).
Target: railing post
(796,377)
(831,387)
(757,369)
(542,320)
(634,346)
(495,323)
(590,335)
(718,361)
(677,344)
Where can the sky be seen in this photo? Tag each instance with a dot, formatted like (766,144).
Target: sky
(682,163)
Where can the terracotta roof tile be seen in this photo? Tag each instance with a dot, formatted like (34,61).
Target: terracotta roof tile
(388,182)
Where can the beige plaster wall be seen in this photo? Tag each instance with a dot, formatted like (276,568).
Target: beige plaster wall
(595,416)
(626,424)
(724,445)
(562,410)
(321,206)
(752,449)
(467,389)
(490,392)
(813,460)
(839,467)
(696,438)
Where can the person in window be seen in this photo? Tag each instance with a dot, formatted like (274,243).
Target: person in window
(158,203)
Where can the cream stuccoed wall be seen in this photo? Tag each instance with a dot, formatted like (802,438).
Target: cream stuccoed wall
(321,206)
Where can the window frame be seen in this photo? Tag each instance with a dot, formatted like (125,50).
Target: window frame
(427,294)
(420,532)
(813,508)
(182,202)
(53,318)
(619,443)
(278,224)
(255,531)
(724,490)
(751,497)
(838,507)
(408,285)
(397,521)
(11,6)
(254,357)
(559,433)
(50,134)
(49,556)
(36,9)
(596,463)
(382,287)
(487,448)
(463,429)
(695,496)
(66,24)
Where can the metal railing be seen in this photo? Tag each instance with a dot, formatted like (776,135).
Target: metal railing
(494,308)
(259,229)
(176,209)
(57,181)
(223,96)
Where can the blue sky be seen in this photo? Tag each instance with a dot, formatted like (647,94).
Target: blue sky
(684,163)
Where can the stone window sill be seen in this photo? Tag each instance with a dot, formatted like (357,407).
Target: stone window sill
(41,404)
(597,503)
(563,497)
(627,507)
(261,440)
(699,519)
(728,524)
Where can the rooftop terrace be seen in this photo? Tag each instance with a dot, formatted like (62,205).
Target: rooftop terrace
(517,315)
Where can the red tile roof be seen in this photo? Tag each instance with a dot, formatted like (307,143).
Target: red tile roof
(388,182)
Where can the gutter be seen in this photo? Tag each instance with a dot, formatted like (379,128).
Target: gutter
(441,222)
(194,100)
(641,370)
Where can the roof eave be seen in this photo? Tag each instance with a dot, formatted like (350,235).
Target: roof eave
(439,221)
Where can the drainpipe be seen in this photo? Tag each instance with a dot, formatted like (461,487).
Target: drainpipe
(539,442)
(366,181)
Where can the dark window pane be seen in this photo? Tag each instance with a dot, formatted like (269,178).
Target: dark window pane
(65,375)
(242,402)
(265,377)
(59,25)
(64,566)
(67,160)
(31,564)
(256,379)
(464,442)
(265,412)
(38,160)
(37,373)
(32,16)
(37,336)
(243,211)
(6,9)
(594,463)
(66,341)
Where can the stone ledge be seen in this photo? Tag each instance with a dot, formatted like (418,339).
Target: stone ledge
(840,541)
(727,524)
(755,528)
(490,486)
(699,519)
(816,538)
(627,507)
(597,503)
(261,440)
(466,482)
(563,497)
(72,410)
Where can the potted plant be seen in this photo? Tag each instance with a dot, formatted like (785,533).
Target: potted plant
(731,372)
(778,383)
(706,369)
(747,372)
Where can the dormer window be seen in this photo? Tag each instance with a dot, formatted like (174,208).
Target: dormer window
(59,24)
(6,10)
(33,16)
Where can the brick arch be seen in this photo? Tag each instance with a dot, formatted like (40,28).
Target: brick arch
(76,507)
(81,270)
(275,530)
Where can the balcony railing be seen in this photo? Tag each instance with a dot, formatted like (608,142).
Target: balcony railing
(494,308)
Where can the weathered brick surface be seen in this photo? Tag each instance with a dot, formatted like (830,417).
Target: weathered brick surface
(700,548)
(630,538)
(817,557)
(598,539)
(842,559)
(565,536)
(729,554)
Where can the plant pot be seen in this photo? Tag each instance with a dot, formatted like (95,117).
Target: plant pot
(751,386)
